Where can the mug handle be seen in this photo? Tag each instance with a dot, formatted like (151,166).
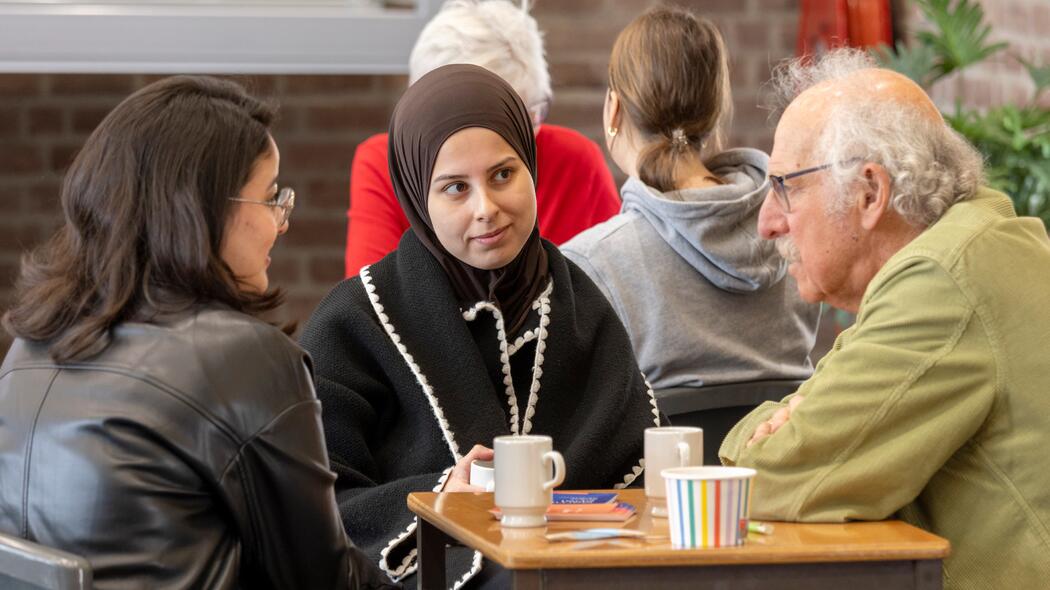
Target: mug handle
(683,454)
(559,469)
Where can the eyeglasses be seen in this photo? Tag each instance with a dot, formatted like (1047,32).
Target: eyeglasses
(780,190)
(282,204)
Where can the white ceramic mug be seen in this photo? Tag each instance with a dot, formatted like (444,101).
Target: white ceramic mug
(524,482)
(669,446)
(483,475)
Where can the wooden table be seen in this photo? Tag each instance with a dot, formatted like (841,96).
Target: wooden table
(855,556)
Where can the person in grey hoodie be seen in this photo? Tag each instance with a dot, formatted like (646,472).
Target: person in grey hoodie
(704,299)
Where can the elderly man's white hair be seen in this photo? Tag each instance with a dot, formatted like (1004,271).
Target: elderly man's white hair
(931,165)
(495,34)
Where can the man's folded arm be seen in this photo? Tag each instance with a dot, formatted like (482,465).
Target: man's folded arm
(908,385)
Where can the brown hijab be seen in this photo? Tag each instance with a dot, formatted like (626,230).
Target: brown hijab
(447,100)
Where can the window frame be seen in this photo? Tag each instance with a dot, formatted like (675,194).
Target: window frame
(226,38)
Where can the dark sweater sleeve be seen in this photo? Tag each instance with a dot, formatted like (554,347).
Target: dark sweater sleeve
(351,356)
(279,478)
(298,538)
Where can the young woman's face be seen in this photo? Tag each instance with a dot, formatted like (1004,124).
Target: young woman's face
(482,201)
(251,229)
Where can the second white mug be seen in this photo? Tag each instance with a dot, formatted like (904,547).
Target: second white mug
(483,475)
(665,447)
(524,482)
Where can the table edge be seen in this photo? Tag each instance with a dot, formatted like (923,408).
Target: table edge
(421,510)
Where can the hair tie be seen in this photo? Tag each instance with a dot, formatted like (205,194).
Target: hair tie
(678,139)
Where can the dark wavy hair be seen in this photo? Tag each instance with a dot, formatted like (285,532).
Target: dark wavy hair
(145,205)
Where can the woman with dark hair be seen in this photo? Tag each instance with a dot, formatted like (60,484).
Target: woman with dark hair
(473,328)
(706,301)
(151,423)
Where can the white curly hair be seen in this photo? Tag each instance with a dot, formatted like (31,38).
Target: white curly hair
(495,34)
(932,167)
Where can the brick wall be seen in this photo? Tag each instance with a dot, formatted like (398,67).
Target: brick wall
(45,118)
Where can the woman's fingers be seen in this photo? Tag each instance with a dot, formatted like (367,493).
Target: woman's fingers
(459,479)
(460,475)
(478,453)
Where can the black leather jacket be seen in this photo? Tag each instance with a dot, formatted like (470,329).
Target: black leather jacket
(188,454)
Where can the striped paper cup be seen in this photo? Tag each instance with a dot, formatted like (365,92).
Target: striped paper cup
(707,506)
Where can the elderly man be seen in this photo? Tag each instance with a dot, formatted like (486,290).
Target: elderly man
(935,406)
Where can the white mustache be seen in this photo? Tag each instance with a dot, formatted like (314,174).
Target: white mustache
(788,250)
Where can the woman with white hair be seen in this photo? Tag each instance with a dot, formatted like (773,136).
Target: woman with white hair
(575,189)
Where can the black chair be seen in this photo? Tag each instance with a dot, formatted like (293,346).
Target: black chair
(718,408)
(25,565)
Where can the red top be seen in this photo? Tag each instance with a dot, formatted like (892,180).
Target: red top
(574,191)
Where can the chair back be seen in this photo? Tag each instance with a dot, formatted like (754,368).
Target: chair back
(717,408)
(674,401)
(25,565)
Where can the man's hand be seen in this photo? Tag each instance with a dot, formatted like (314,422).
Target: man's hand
(780,418)
(459,479)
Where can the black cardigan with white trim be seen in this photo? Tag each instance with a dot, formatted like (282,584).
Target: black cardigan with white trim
(405,391)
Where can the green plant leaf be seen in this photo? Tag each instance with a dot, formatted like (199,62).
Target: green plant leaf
(960,37)
(1015,141)
(918,62)
(1040,76)
(1016,145)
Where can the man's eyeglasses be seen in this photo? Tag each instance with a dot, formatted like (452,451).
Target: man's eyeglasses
(780,190)
(282,204)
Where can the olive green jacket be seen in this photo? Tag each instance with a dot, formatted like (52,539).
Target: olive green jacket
(935,406)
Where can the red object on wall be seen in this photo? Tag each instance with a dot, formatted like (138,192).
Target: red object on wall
(827,24)
(870,23)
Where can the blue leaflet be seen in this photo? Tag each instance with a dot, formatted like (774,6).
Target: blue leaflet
(581,498)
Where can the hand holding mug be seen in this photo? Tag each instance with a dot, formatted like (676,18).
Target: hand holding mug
(459,479)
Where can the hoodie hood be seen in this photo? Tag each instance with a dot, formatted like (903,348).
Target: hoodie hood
(715,229)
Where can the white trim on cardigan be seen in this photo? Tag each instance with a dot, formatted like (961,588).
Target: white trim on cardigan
(522,340)
(409,564)
(475,567)
(640,468)
(504,357)
(543,304)
(428,391)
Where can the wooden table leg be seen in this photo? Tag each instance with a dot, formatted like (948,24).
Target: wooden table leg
(929,574)
(526,579)
(431,543)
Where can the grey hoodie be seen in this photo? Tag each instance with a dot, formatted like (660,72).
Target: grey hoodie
(705,300)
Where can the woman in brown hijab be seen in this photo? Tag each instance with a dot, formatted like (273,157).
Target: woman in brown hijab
(473,328)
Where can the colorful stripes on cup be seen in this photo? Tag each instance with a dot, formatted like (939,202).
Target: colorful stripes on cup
(708,506)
